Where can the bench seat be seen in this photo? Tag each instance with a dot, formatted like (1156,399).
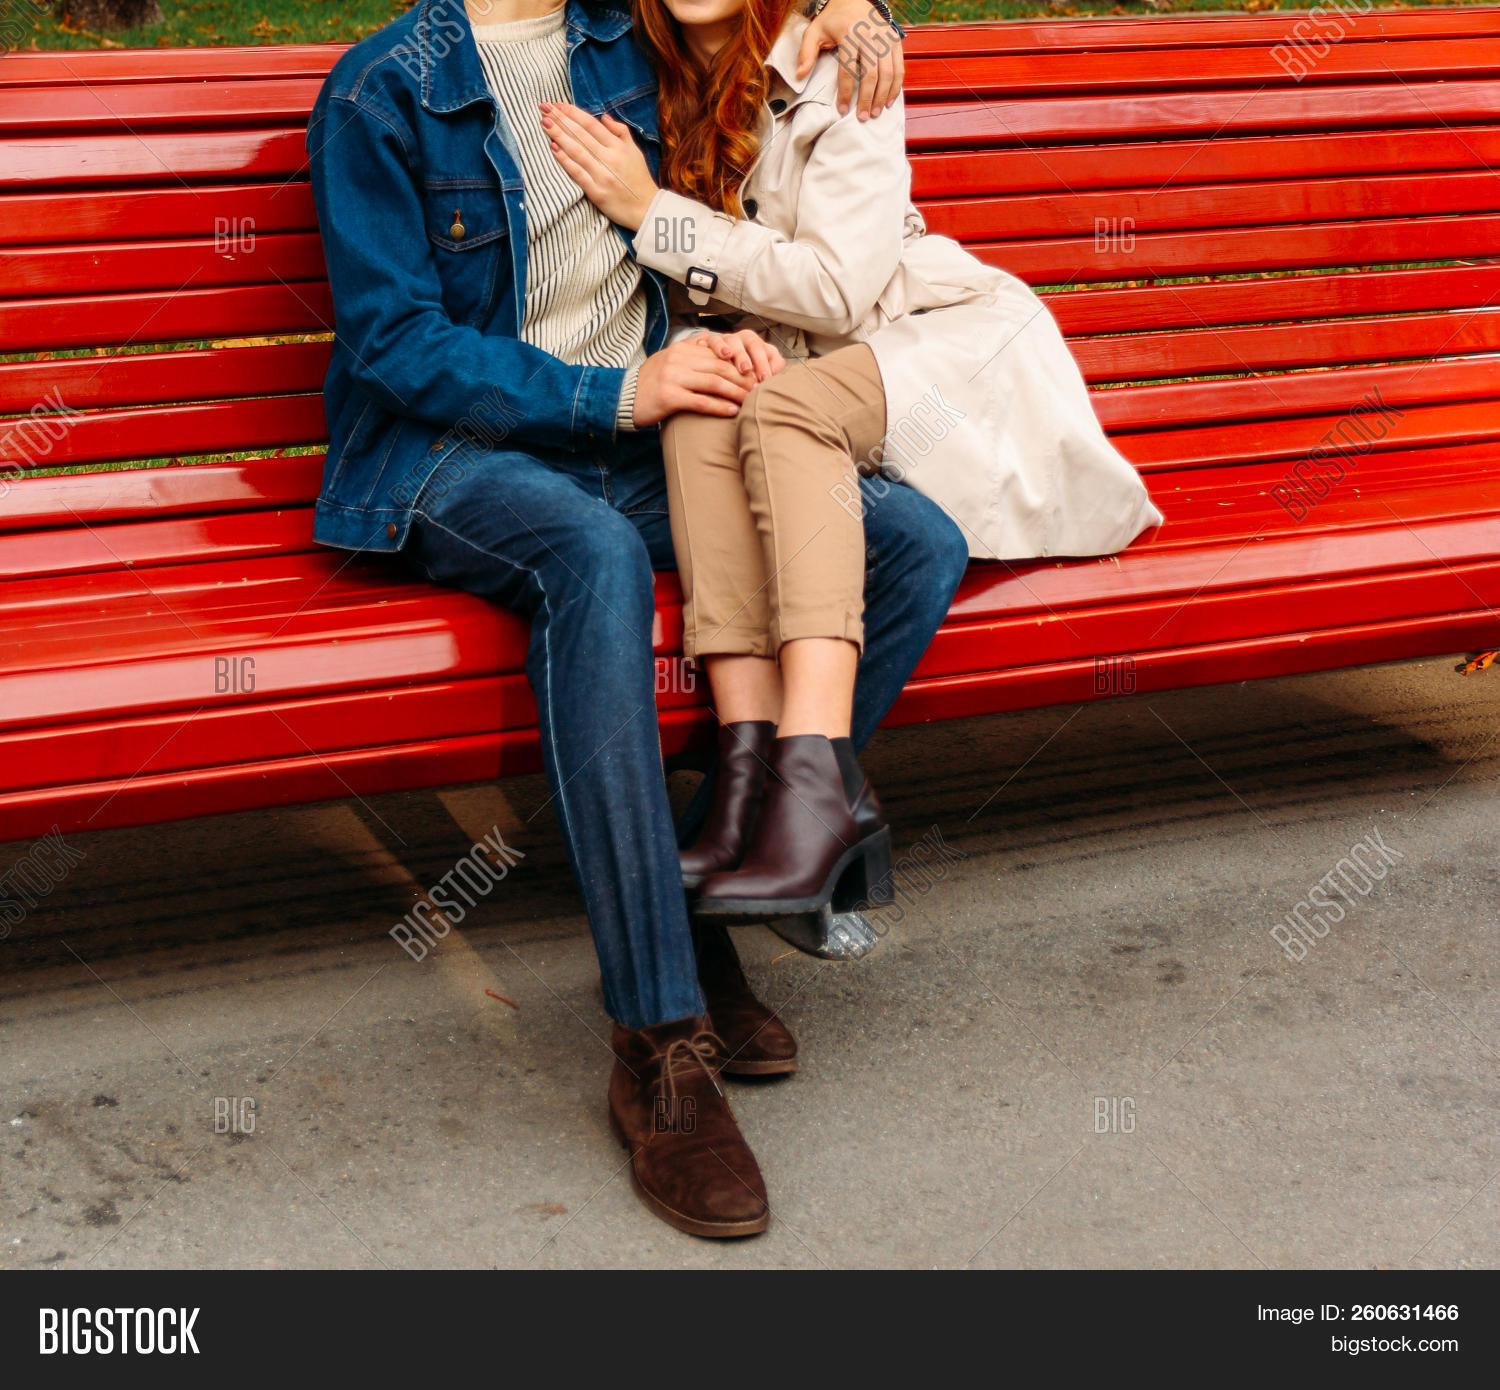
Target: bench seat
(1156,174)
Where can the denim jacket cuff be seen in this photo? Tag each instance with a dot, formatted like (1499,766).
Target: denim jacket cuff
(596,403)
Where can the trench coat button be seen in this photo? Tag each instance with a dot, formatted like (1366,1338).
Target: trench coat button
(777,106)
(390,529)
(751,208)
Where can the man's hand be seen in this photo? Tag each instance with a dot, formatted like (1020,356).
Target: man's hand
(748,351)
(868,49)
(602,158)
(689,375)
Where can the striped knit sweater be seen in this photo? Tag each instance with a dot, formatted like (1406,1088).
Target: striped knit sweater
(584,301)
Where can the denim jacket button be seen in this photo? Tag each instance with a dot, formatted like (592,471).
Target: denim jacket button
(390,529)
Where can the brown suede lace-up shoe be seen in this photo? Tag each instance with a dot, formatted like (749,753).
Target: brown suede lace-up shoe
(688,1159)
(756,1041)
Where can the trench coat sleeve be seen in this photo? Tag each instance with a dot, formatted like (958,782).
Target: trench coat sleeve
(851,211)
(682,316)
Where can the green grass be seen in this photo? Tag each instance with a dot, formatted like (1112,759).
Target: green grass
(221,22)
(208,22)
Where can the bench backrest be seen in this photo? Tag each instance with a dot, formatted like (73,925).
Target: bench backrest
(1223,206)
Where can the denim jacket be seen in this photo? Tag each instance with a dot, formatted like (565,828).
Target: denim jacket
(417,181)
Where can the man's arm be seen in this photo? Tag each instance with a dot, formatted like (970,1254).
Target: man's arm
(408,353)
(868,41)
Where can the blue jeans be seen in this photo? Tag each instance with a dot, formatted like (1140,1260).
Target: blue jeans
(570,539)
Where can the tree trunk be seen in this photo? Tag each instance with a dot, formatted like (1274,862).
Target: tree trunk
(109,14)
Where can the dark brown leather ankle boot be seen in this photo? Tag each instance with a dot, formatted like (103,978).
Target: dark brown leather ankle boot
(756,1041)
(807,843)
(688,1160)
(856,891)
(744,748)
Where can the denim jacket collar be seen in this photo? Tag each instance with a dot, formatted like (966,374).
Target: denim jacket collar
(449,58)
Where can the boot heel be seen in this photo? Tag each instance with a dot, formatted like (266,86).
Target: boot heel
(867,882)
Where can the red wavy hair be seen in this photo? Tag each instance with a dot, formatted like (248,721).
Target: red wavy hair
(708,116)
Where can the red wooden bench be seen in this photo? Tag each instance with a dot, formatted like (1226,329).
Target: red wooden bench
(172,643)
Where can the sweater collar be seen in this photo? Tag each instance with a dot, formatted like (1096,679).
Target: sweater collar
(448,57)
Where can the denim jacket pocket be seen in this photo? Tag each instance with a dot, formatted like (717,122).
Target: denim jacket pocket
(466,226)
(638,111)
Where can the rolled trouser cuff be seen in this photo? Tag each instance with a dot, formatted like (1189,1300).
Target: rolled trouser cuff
(700,641)
(839,626)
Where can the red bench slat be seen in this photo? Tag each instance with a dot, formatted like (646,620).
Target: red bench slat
(158,265)
(1240,250)
(149,213)
(70,499)
(1169,163)
(153,378)
(73,161)
(1280,346)
(95,320)
(99,67)
(85,549)
(252,785)
(147,745)
(148,105)
(954,77)
(1267,203)
(1214,114)
(213,427)
(1208,445)
(1174,31)
(1282,654)
(1275,398)
(1273,300)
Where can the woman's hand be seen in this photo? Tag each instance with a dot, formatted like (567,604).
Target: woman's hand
(602,158)
(748,351)
(689,375)
(868,48)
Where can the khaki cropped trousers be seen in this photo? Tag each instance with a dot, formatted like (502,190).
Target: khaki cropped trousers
(765,508)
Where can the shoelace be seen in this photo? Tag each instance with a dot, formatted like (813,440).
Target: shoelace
(702,1049)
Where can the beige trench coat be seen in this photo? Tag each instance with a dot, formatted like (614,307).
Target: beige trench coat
(986,410)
